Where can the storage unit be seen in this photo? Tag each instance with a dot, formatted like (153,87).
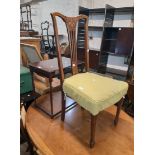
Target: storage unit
(106,41)
(118,40)
(25,80)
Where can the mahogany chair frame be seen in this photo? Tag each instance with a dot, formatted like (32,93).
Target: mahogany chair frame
(71,23)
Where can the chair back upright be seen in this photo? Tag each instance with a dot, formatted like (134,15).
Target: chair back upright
(29,54)
(71,26)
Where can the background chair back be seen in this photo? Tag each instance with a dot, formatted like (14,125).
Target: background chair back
(71,25)
(30,54)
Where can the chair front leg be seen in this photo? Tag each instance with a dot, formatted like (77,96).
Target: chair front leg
(63,100)
(92,131)
(120,103)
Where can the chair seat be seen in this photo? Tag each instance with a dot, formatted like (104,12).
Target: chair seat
(94,92)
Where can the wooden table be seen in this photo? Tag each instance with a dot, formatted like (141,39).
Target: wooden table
(32,41)
(49,69)
(51,136)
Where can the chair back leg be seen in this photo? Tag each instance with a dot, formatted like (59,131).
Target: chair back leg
(120,103)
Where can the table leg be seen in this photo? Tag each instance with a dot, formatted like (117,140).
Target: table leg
(51,96)
(33,85)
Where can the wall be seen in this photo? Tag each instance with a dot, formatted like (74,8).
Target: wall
(43,9)
(85,3)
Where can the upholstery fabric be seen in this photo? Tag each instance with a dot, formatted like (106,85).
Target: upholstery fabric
(94,92)
(31,54)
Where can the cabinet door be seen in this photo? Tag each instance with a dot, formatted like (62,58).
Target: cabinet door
(124,41)
(93,59)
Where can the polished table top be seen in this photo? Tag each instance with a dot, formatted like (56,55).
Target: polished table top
(51,65)
(52,136)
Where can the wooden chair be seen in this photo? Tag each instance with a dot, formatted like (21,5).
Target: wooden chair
(46,39)
(91,91)
(30,54)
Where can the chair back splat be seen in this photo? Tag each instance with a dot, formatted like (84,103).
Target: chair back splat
(71,25)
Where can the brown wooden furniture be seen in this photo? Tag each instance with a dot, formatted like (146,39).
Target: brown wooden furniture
(93,57)
(23,131)
(24,137)
(46,44)
(117,40)
(31,41)
(71,23)
(49,69)
(25,17)
(30,54)
(71,138)
(28,33)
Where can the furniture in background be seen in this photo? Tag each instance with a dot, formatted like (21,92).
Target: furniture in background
(100,27)
(47,41)
(25,80)
(91,91)
(129,106)
(26,94)
(105,17)
(26,29)
(49,69)
(30,54)
(117,41)
(25,17)
(33,148)
(24,137)
(31,41)
(28,33)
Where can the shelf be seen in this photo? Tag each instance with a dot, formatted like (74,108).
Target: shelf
(109,52)
(124,9)
(96,27)
(94,49)
(111,39)
(98,10)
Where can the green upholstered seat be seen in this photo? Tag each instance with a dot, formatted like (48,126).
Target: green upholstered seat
(94,92)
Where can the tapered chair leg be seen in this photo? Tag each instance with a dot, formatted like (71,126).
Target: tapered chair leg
(118,111)
(92,131)
(63,106)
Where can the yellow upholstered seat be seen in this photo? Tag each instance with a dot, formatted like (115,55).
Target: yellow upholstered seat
(94,92)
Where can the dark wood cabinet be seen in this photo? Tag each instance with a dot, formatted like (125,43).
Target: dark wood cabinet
(115,41)
(93,57)
(124,42)
(118,40)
